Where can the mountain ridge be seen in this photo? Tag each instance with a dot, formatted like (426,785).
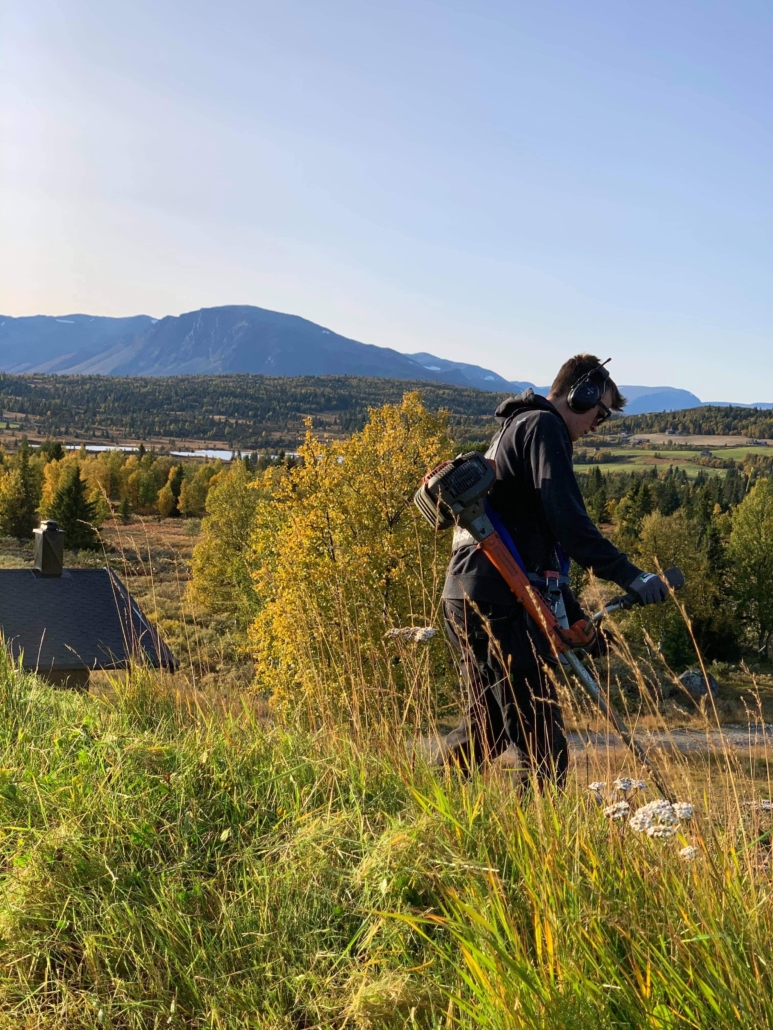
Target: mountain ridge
(247,339)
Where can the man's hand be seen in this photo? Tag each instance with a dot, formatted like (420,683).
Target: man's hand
(649,588)
(600,646)
(581,634)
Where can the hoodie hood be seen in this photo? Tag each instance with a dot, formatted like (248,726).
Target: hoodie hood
(526,401)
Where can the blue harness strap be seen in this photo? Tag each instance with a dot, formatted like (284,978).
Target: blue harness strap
(499,526)
(564,561)
(507,540)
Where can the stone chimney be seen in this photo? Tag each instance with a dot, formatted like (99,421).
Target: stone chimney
(49,548)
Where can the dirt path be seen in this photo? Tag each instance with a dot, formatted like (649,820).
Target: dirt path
(685,741)
(731,737)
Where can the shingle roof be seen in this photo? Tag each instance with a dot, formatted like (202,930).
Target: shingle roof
(85,618)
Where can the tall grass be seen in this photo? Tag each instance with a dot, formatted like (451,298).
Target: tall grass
(171,863)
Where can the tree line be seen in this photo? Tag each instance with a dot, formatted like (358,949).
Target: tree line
(80,490)
(249,412)
(756,423)
(254,411)
(719,530)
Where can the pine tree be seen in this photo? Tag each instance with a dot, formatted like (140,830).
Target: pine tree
(19,497)
(175,481)
(52,449)
(74,513)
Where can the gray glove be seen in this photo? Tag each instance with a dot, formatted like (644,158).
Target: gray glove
(649,588)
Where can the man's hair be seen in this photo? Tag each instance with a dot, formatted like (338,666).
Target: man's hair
(574,369)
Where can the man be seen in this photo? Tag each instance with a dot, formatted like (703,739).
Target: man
(511,699)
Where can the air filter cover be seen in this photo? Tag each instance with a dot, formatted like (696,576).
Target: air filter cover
(452,487)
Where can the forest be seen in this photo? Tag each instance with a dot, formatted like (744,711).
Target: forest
(756,423)
(252,412)
(295,520)
(697,514)
(244,411)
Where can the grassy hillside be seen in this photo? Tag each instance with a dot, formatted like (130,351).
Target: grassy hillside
(168,862)
(204,852)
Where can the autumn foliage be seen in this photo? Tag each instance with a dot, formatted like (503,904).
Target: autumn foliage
(341,556)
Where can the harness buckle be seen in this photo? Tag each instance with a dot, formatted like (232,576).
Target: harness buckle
(553,582)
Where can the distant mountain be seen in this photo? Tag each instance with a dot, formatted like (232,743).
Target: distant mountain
(473,375)
(242,338)
(764,405)
(212,340)
(643,399)
(42,343)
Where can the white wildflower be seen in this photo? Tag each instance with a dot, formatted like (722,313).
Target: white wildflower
(689,853)
(640,821)
(661,832)
(640,784)
(623,784)
(617,811)
(683,810)
(411,634)
(657,808)
(762,806)
(597,786)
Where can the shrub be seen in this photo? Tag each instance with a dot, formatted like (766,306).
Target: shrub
(341,556)
(751,560)
(667,540)
(221,575)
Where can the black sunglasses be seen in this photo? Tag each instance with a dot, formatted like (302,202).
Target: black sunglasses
(605,413)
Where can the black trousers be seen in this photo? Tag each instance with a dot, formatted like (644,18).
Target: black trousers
(510,697)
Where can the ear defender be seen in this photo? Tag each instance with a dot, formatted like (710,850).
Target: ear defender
(589,389)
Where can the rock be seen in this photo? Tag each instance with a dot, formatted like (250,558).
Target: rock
(697,685)
(411,634)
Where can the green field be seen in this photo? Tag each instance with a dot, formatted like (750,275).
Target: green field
(638,459)
(630,459)
(739,453)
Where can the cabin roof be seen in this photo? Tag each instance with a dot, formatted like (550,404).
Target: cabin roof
(82,619)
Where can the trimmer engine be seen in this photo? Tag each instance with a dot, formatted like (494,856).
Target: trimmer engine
(457,487)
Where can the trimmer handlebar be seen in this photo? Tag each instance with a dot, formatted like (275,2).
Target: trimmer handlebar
(674,577)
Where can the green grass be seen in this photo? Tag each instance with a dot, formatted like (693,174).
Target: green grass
(691,468)
(640,458)
(739,453)
(169,863)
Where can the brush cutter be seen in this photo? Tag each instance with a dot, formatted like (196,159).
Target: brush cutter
(454,494)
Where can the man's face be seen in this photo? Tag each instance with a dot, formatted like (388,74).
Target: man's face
(601,412)
(588,421)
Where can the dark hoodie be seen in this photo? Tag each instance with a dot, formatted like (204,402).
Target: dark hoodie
(540,503)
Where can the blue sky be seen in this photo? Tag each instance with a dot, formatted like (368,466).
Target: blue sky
(501,183)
